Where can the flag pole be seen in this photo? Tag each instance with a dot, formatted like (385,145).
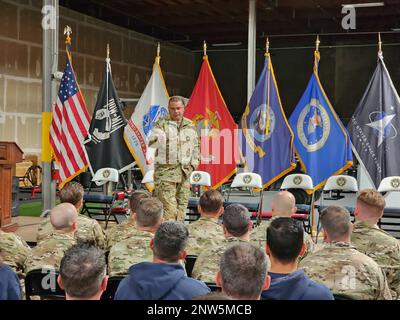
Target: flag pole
(204,49)
(268,86)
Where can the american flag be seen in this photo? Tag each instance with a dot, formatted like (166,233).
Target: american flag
(69,126)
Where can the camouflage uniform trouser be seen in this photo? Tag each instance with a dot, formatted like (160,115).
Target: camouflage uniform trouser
(174,197)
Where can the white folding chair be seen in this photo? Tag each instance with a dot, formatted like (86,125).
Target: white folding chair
(199,178)
(390,184)
(250,180)
(337,183)
(303,182)
(104,177)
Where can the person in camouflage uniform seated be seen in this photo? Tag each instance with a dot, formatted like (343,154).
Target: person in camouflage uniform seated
(236,225)
(339,266)
(148,217)
(283,205)
(206,232)
(88,229)
(127,228)
(176,145)
(48,253)
(369,239)
(13,251)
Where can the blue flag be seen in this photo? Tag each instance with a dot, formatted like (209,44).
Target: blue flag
(321,141)
(374,127)
(265,135)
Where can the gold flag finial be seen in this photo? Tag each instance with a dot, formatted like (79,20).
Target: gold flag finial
(267,46)
(108,52)
(317,42)
(158,57)
(379,44)
(204,49)
(67,32)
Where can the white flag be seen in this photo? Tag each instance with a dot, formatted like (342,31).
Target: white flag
(152,105)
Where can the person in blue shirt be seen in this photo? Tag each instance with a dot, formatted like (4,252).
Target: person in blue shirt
(285,245)
(164,278)
(10,288)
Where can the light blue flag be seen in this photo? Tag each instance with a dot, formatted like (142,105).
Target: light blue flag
(320,139)
(265,135)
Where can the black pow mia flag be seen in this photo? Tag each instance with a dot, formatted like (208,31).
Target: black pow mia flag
(105,145)
(374,127)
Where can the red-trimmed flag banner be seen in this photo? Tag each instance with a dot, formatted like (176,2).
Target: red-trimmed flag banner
(69,125)
(215,125)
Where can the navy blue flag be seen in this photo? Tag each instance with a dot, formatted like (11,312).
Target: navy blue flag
(265,135)
(374,127)
(106,145)
(321,140)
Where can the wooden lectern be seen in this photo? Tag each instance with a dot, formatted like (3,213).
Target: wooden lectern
(10,154)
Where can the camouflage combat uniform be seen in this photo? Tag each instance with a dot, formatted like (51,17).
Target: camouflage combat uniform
(258,237)
(119,232)
(383,248)
(203,233)
(348,272)
(49,252)
(128,252)
(88,230)
(13,251)
(207,263)
(174,162)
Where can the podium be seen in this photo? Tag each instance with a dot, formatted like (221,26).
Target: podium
(10,154)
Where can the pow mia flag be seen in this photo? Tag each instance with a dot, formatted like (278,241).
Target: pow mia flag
(374,127)
(106,146)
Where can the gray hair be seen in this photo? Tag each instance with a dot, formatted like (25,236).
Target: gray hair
(170,240)
(243,269)
(177,99)
(82,270)
(336,221)
(236,219)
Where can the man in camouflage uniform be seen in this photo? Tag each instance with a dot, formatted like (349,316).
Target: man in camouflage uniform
(127,228)
(206,232)
(339,266)
(236,225)
(48,253)
(88,229)
(377,244)
(283,205)
(148,217)
(13,251)
(176,145)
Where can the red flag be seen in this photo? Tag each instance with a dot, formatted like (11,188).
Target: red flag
(215,125)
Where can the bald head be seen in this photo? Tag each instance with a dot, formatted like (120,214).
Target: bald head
(283,204)
(63,217)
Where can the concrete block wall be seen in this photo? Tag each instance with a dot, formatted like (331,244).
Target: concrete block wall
(132,56)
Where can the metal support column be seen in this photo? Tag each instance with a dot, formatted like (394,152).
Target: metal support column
(49,94)
(251,48)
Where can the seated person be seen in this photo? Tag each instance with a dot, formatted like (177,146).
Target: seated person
(371,240)
(13,251)
(237,226)
(9,284)
(284,247)
(242,272)
(48,253)
(206,231)
(147,217)
(127,228)
(83,272)
(164,278)
(339,266)
(88,229)
(283,205)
